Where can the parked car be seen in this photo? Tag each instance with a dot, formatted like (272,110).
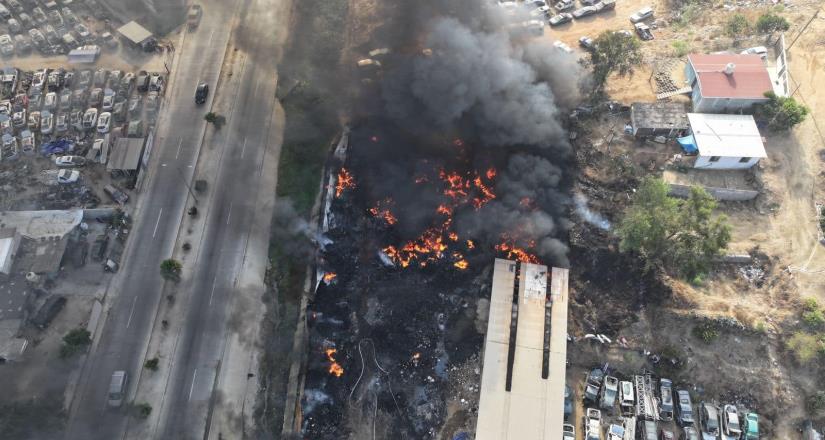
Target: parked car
(95,97)
(108,40)
(104,122)
(626,400)
(609,392)
(615,432)
(593,384)
(90,118)
(730,421)
(562,47)
(39,16)
(34,121)
(665,400)
(62,124)
(26,20)
(135,106)
(22,44)
(568,432)
(750,430)
(69,161)
(565,5)
(142,81)
(666,435)
(19,118)
(155,82)
(642,14)
(108,100)
(6,45)
(587,43)
(647,430)
(584,12)
(559,19)
(643,31)
(55,18)
(709,419)
(83,32)
(9,150)
(76,120)
(762,51)
(68,176)
(100,77)
(14,26)
(593,424)
(46,122)
(605,5)
(27,142)
(684,408)
(50,101)
(689,433)
(568,403)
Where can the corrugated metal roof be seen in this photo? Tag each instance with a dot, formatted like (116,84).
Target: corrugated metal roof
(749,79)
(134,32)
(726,135)
(126,154)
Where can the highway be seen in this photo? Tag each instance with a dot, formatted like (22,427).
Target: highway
(136,291)
(231,216)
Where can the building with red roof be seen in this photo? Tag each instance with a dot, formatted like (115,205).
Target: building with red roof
(725,83)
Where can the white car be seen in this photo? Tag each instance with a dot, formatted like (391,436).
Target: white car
(50,101)
(6,45)
(562,47)
(68,176)
(108,100)
(762,51)
(46,122)
(62,124)
(69,161)
(104,122)
(642,14)
(27,142)
(90,118)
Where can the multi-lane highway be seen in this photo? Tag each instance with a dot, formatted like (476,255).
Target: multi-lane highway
(231,212)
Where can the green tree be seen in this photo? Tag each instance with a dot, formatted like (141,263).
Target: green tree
(144,409)
(781,113)
(737,26)
(170,269)
(770,23)
(151,364)
(74,342)
(215,119)
(614,52)
(681,235)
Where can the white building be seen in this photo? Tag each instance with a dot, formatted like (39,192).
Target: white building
(728,83)
(723,142)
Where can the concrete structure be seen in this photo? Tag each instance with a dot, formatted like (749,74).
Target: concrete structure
(525,353)
(125,156)
(724,83)
(723,142)
(136,35)
(723,185)
(34,241)
(651,119)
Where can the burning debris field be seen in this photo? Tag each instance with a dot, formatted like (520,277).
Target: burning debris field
(462,158)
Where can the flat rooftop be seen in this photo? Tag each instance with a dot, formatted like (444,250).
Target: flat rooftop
(533,407)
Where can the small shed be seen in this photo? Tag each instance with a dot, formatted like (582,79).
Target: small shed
(137,36)
(125,156)
(652,119)
(723,142)
(84,55)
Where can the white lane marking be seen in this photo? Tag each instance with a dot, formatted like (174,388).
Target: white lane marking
(244,148)
(257,83)
(213,290)
(210,39)
(180,143)
(230,213)
(192,388)
(157,223)
(132,312)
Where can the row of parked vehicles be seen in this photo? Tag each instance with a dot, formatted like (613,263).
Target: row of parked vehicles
(643,402)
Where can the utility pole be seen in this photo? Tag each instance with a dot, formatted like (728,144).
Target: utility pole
(802,30)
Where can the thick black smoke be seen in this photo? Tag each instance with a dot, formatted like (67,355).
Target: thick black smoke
(478,78)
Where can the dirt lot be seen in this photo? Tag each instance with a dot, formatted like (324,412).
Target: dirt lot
(751,363)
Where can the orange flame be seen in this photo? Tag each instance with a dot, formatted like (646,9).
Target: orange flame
(471,244)
(345,181)
(335,368)
(380,210)
(461,264)
(517,253)
(329,276)
(453,236)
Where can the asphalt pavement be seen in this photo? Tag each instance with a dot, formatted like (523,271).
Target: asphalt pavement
(136,292)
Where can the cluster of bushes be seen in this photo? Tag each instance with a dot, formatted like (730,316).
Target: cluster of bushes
(808,344)
(738,25)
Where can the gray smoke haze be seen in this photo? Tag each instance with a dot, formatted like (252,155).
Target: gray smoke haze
(510,90)
(502,90)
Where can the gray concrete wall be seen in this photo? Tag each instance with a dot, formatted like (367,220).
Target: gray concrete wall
(723,194)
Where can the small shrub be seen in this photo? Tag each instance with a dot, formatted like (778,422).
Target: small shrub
(144,409)
(760,327)
(74,342)
(707,333)
(680,48)
(151,364)
(809,304)
(769,23)
(815,403)
(805,347)
(813,318)
(170,269)
(737,26)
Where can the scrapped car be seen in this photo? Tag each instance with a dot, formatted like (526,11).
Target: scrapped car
(104,122)
(68,176)
(730,421)
(584,12)
(46,122)
(69,161)
(665,400)
(684,408)
(90,118)
(559,19)
(709,419)
(593,384)
(642,14)
(751,427)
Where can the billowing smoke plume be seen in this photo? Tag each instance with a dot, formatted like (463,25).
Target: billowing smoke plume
(504,94)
